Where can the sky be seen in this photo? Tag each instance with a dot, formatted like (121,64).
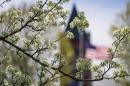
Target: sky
(100,14)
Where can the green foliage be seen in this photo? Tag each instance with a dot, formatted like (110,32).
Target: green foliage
(11,76)
(82,66)
(80,22)
(121,32)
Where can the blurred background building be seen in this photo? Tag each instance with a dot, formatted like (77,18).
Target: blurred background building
(81,47)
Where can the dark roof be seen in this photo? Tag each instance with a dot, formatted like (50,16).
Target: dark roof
(72,16)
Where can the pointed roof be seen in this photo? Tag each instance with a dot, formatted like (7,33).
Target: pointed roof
(77,35)
(75,31)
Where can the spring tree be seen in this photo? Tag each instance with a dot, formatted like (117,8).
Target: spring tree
(23,33)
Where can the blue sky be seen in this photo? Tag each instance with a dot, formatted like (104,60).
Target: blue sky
(101,15)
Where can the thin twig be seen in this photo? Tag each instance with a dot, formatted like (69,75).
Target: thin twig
(1,5)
